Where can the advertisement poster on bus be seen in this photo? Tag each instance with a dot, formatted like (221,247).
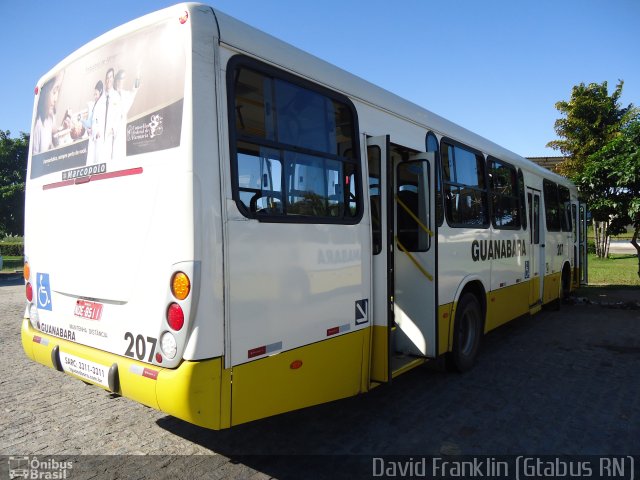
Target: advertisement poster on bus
(118,101)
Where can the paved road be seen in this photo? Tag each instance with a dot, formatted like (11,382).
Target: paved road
(558,383)
(624,247)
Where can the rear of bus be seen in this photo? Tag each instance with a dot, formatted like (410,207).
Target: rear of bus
(114,236)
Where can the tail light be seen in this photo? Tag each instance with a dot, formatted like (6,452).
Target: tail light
(26,272)
(34,318)
(29,292)
(175,316)
(168,345)
(180,285)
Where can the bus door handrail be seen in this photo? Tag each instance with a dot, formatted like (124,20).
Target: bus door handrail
(413,259)
(414,216)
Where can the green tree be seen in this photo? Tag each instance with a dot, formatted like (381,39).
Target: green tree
(612,175)
(13,167)
(592,120)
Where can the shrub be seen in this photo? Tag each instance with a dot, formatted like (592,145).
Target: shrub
(11,249)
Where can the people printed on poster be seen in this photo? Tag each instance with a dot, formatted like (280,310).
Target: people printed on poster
(103,122)
(44,135)
(98,112)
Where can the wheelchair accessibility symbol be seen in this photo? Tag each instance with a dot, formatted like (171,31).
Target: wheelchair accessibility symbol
(44,291)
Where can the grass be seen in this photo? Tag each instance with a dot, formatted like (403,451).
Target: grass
(616,270)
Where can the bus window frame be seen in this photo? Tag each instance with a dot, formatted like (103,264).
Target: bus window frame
(522,198)
(437,173)
(486,202)
(234,65)
(546,185)
(491,160)
(564,204)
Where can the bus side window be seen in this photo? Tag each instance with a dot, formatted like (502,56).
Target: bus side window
(413,202)
(553,214)
(464,186)
(293,152)
(529,202)
(259,179)
(565,206)
(503,182)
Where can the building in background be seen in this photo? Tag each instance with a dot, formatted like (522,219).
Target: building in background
(550,163)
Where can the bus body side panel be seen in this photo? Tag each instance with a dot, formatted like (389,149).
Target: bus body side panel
(509,296)
(305,376)
(455,264)
(553,242)
(292,288)
(507,303)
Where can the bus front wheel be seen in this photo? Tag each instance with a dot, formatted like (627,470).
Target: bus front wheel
(467,332)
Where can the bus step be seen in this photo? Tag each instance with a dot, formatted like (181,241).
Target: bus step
(403,363)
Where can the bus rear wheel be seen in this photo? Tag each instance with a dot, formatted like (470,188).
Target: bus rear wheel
(467,332)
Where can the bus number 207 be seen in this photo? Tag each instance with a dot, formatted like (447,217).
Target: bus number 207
(140,346)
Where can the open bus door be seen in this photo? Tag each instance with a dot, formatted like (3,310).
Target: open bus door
(415,259)
(382,262)
(582,234)
(401,187)
(536,252)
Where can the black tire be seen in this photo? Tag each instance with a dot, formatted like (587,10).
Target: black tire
(467,333)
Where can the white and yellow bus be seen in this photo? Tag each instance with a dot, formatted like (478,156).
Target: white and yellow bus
(223,227)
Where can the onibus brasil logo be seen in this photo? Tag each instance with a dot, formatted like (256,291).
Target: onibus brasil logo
(34,468)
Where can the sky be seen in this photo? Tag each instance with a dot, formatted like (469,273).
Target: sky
(496,67)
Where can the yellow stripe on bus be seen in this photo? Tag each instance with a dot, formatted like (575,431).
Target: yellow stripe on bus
(505,304)
(330,370)
(551,289)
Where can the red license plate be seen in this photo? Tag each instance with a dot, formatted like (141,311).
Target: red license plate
(88,310)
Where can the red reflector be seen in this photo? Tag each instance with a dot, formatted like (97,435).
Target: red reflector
(152,374)
(36,90)
(158,358)
(183,19)
(333,331)
(296,364)
(256,352)
(175,316)
(29,292)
